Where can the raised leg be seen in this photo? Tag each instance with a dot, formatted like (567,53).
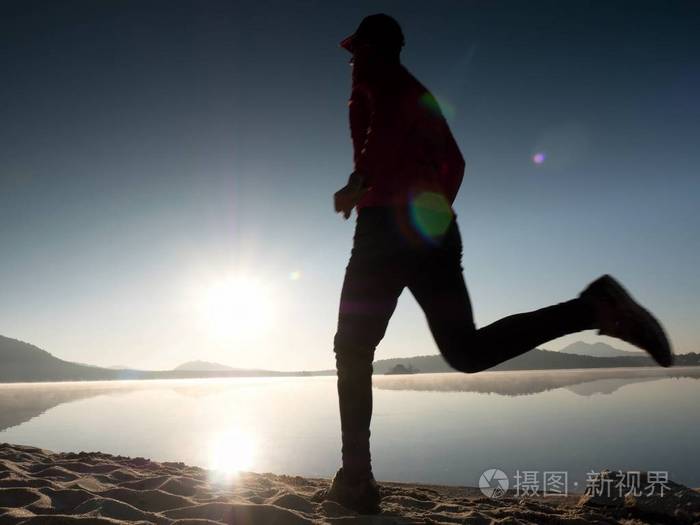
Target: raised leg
(439,288)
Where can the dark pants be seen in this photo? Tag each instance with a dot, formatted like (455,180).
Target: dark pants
(388,254)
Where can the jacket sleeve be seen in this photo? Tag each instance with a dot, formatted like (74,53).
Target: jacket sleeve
(359,113)
(376,130)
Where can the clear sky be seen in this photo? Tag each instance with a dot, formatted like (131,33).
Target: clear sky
(160,162)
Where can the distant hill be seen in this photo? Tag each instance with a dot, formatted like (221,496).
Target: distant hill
(536,360)
(20,361)
(598,350)
(24,362)
(203,365)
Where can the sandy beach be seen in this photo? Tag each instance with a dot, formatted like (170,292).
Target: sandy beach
(42,487)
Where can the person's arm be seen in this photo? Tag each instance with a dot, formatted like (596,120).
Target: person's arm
(376,129)
(359,116)
(347,197)
(378,151)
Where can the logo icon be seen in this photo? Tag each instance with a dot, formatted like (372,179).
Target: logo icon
(493,483)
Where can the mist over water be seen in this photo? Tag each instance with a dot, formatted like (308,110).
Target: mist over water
(571,420)
(523,382)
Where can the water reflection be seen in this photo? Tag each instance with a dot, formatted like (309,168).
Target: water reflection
(584,382)
(437,428)
(227,424)
(230,452)
(21,402)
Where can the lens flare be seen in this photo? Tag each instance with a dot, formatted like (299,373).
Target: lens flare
(295,275)
(438,107)
(431,214)
(539,158)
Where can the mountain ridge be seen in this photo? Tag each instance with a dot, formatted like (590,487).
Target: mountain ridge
(198,365)
(25,362)
(598,350)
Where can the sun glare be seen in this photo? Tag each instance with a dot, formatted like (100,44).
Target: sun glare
(231,452)
(236,307)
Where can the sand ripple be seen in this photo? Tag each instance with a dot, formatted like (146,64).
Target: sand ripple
(40,487)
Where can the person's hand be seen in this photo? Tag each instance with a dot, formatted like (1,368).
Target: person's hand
(346,198)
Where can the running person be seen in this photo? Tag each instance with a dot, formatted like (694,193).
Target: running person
(408,169)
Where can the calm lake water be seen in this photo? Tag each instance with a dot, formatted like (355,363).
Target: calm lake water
(433,428)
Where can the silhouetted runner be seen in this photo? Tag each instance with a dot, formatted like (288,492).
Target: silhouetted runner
(408,170)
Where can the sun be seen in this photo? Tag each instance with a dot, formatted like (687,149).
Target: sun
(236,307)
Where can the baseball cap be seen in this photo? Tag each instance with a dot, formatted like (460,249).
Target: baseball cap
(380,30)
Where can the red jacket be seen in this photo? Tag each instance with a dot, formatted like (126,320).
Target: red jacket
(402,143)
